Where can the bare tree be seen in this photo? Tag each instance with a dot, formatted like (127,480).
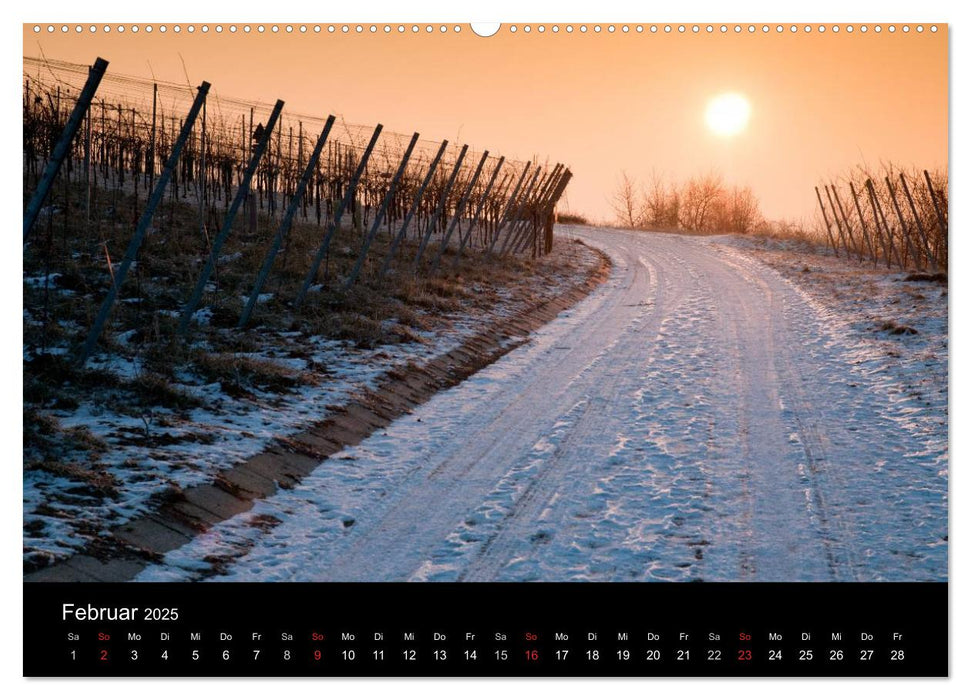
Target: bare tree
(742,210)
(626,201)
(699,202)
(661,203)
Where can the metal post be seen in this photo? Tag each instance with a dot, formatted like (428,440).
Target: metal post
(829,231)
(440,207)
(242,193)
(416,202)
(379,217)
(285,224)
(338,215)
(509,203)
(95,74)
(457,215)
(463,240)
(920,224)
(143,223)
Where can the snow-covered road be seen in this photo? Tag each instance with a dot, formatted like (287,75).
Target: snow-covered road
(696,417)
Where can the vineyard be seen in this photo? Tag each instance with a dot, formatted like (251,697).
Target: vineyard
(157,208)
(895,217)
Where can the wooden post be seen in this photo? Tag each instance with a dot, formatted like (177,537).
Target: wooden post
(242,195)
(87,165)
(839,227)
(379,216)
(463,240)
(903,226)
(829,230)
(415,204)
(846,221)
(561,188)
(285,224)
(143,224)
(520,225)
(509,204)
(518,234)
(338,215)
(513,214)
(440,207)
(202,174)
(538,209)
(151,145)
(881,219)
(920,224)
(459,210)
(859,212)
(941,221)
(63,145)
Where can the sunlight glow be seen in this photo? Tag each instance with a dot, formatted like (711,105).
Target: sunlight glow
(728,114)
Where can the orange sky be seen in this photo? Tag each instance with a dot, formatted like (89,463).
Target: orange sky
(602,103)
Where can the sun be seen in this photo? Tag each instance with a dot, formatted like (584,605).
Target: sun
(728,114)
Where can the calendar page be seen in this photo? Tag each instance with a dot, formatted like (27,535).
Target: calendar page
(514,349)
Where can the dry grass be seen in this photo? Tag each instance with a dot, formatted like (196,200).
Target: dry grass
(67,265)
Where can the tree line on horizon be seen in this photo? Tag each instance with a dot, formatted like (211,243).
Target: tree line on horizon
(702,204)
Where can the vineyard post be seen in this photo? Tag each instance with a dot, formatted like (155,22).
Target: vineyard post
(202,174)
(151,145)
(242,195)
(520,222)
(379,216)
(95,74)
(881,219)
(829,230)
(849,228)
(874,253)
(415,204)
(836,220)
(920,224)
(338,215)
(522,228)
(285,224)
(941,223)
(87,165)
(463,240)
(143,223)
(548,240)
(904,229)
(509,203)
(440,206)
(541,206)
(513,214)
(459,210)
(541,213)
(494,208)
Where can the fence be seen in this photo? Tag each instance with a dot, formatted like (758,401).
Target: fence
(114,162)
(896,218)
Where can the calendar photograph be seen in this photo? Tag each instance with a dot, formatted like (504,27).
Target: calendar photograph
(451,303)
